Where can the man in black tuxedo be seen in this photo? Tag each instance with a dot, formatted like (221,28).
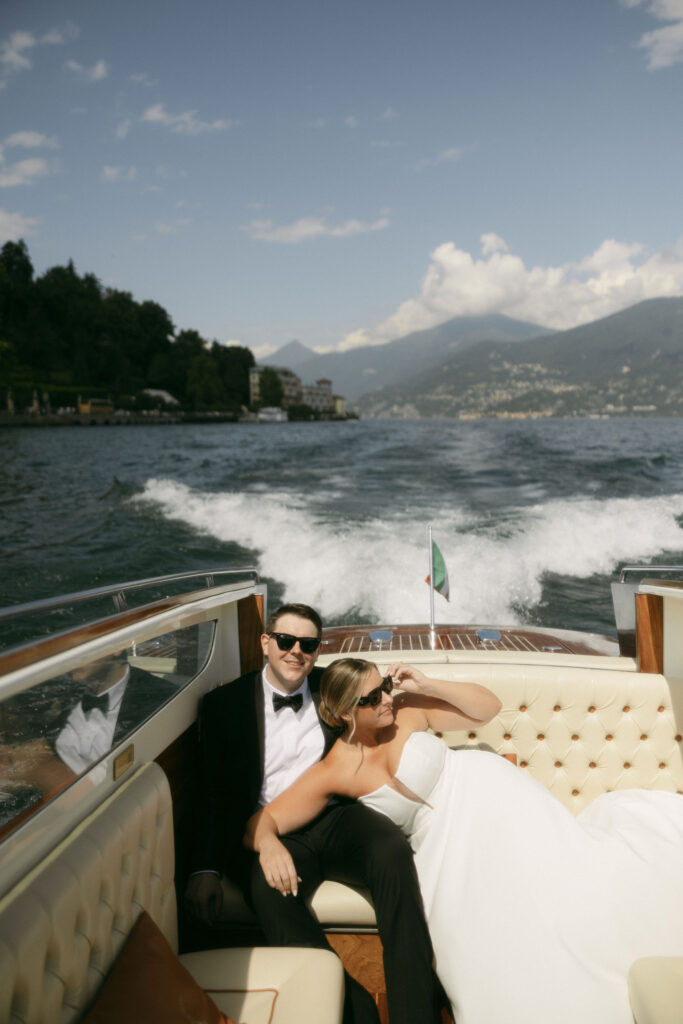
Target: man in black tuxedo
(257,735)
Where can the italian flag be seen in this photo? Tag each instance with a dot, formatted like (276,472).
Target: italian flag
(440,572)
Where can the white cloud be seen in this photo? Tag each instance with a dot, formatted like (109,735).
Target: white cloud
(24,172)
(446,156)
(306,228)
(664,45)
(351,122)
(14,226)
(30,140)
(122,129)
(58,36)
(388,115)
(185,124)
(613,277)
(263,351)
(96,73)
(163,227)
(492,243)
(143,79)
(13,51)
(110,174)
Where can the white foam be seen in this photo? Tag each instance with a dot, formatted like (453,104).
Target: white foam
(376,567)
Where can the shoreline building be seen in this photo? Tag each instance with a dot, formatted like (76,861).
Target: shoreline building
(317,397)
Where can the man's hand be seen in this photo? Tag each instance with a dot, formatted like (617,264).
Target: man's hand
(278,866)
(204,896)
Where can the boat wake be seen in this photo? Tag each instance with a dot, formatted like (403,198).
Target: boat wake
(373,568)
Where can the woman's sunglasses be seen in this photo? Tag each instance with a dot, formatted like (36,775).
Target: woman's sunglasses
(285,641)
(374,697)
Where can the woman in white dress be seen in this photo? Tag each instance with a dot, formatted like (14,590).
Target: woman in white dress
(535,915)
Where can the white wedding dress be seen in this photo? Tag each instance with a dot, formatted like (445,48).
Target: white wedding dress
(535,915)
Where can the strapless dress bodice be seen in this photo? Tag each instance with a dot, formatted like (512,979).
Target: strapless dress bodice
(419,773)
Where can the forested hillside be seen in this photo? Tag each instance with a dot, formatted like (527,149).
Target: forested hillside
(64,334)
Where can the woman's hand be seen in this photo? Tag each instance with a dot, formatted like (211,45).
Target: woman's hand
(278,866)
(410,679)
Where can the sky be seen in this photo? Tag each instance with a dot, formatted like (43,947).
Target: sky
(345,173)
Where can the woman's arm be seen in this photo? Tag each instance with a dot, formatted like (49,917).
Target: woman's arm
(445,703)
(295,807)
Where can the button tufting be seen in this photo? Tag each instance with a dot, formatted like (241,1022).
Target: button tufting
(471,735)
(557,708)
(439,734)
(609,736)
(627,764)
(575,792)
(575,737)
(592,764)
(523,707)
(592,708)
(660,708)
(558,764)
(678,738)
(627,709)
(540,736)
(644,736)
(662,764)
(506,736)
(522,764)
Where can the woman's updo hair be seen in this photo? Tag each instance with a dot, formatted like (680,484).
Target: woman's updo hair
(340,687)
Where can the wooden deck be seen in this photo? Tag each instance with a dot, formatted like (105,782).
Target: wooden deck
(356,640)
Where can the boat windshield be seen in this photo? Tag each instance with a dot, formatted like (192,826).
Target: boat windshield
(54,732)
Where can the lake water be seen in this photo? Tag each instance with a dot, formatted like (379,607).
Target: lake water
(533,517)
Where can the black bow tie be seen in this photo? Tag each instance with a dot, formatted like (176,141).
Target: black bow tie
(294,702)
(89,701)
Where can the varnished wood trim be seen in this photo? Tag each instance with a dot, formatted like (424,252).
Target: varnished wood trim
(49,646)
(650,632)
(250,619)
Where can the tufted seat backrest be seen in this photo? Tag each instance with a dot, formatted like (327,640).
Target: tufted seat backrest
(63,925)
(580,731)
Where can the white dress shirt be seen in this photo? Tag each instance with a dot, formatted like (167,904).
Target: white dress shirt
(293,741)
(86,737)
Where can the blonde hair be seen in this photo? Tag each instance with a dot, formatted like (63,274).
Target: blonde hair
(340,687)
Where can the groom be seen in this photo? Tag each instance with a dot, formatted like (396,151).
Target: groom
(257,735)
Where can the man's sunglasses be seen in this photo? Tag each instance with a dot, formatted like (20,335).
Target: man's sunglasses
(285,641)
(374,697)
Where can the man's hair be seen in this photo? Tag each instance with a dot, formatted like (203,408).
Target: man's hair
(304,611)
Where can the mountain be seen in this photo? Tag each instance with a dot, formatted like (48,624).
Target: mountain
(290,355)
(630,363)
(364,369)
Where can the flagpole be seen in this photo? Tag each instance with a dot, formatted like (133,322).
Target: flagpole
(431,589)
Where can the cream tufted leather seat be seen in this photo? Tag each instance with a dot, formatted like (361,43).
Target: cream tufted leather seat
(62,926)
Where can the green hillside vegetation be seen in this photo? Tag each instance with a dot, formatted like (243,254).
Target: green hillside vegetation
(64,334)
(630,363)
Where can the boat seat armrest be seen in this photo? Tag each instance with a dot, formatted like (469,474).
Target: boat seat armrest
(655,988)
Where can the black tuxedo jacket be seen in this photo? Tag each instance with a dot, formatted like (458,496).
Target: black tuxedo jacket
(231,745)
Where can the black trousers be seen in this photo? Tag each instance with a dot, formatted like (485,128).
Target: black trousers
(351,843)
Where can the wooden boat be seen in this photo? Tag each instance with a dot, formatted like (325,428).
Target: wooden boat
(83,852)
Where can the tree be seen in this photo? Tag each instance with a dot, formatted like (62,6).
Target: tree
(232,364)
(270,388)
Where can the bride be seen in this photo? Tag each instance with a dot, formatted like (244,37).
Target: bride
(535,915)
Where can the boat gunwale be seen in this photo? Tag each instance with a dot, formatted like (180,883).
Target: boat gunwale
(30,653)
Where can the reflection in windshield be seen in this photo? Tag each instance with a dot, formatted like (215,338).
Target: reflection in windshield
(52,733)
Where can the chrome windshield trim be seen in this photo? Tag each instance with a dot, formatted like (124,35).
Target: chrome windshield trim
(118,591)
